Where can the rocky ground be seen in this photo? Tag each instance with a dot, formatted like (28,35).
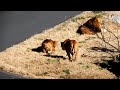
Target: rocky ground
(21,59)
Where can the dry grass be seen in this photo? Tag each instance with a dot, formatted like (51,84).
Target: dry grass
(20,59)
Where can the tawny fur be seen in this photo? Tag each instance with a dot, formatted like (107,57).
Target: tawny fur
(71,48)
(48,46)
(92,26)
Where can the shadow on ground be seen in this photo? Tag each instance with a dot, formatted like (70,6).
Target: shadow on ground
(111,65)
(101,49)
(38,49)
(55,56)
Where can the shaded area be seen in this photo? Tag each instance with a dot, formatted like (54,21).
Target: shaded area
(112,66)
(55,56)
(5,75)
(101,49)
(38,49)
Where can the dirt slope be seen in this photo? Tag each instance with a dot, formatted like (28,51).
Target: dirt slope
(20,59)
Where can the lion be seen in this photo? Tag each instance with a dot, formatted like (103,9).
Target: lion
(93,24)
(91,27)
(71,47)
(48,46)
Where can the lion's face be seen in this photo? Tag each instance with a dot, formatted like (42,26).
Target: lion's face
(48,46)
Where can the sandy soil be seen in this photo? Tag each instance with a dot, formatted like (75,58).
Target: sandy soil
(20,59)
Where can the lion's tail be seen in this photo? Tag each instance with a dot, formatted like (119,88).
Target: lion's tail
(73,49)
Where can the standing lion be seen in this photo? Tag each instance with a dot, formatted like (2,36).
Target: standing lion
(71,48)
